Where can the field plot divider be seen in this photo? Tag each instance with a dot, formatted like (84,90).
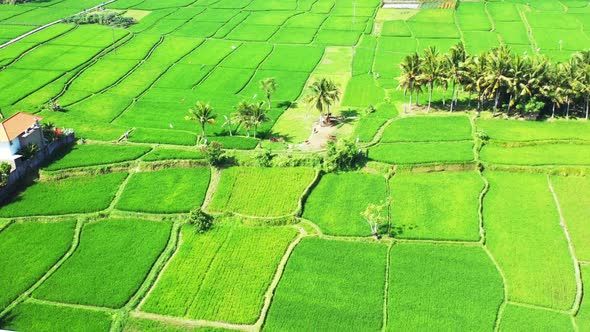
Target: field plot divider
(72,305)
(153,83)
(578,274)
(93,61)
(256,70)
(484,191)
(49,273)
(119,192)
(131,71)
(305,195)
(212,188)
(529,29)
(32,48)
(8,43)
(490,17)
(505,288)
(268,296)
(214,67)
(137,300)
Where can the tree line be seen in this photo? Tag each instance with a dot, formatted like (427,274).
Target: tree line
(500,79)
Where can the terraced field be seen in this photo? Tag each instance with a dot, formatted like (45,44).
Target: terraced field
(484,215)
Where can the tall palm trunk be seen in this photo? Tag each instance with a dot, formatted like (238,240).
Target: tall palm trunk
(255,131)
(430,87)
(453,97)
(496,100)
(553,111)
(203,132)
(567,111)
(410,105)
(587,105)
(509,104)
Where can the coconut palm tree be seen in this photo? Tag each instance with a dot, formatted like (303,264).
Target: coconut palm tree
(583,60)
(243,116)
(203,115)
(496,74)
(410,70)
(323,93)
(430,71)
(227,123)
(258,115)
(475,77)
(554,90)
(269,86)
(570,82)
(455,62)
(518,79)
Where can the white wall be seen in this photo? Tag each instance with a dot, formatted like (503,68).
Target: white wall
(7,150)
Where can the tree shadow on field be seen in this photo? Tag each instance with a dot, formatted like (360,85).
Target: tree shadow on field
(397,230)
(6,320)
(287,104)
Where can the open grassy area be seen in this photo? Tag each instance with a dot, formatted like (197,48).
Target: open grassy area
(321,285)
(442,287)
(537,155)
(423,152)
(440,205)
(524,235)
(205,279)
(424,129)
(166,191)
(573,193)
(27,251)
(72,195)
(338,200)
(31,316)
(516,317)
(110,264)
(91,155)
(265,192)
(535,130)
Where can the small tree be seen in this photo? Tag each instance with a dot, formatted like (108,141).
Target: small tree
(375,216)
(342,155)
(202,221)
(213,153)
(269,86)
(263,157)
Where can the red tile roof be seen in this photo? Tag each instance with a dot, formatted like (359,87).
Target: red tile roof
(17,124)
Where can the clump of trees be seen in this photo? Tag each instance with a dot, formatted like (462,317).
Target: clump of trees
(500,80)
(200,220)
(103,17)
(376,216)
(4,173)
(343,155)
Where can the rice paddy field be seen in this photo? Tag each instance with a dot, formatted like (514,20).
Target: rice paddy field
(484,221)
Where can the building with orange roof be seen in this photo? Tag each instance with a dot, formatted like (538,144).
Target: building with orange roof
(17,132)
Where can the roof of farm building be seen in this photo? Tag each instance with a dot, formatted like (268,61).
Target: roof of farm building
(16,125)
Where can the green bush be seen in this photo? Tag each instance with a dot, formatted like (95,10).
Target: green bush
(202,221)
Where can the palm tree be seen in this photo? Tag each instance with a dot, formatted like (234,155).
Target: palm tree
(518,79)
(269,86)
(454,66)
(202,114)
(475,77)
(430,71)
(258,115)
(410,70)
(555,91)
(583,59)
(498,64)
(228,124)
(243,116)
(570,80)
(323,94)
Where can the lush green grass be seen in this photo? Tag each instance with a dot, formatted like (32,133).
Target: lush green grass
(443,288)
(338,200)
(265,192)
(27,251)
(172,154)
(573,193)
(167,191)
(583,316)
(440,206)
(110,264)
(40,317)
(221,275)
(516,318)
(427,152)
(71,195)
(426,129)
(535,130)
(523,234)
(330,285)
(91,155)
(146,325)
(537,155)
(367,126)
(362,91)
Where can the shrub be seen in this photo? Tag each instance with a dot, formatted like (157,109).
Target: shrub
(29,151)
(4,172)
(104,17)
(213,153)
(263,157)
(343,155)
(202,221)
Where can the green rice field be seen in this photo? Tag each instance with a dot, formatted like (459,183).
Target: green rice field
(345,166)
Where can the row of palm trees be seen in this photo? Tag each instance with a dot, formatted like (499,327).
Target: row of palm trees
(249,115)
(527,83)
